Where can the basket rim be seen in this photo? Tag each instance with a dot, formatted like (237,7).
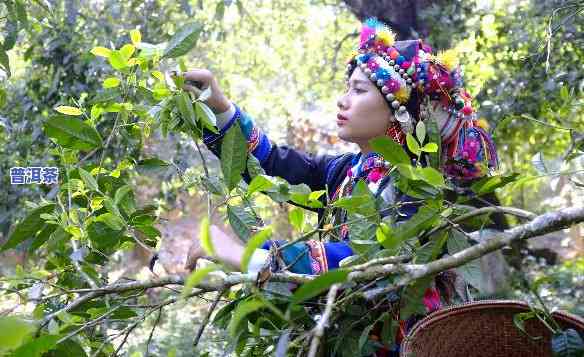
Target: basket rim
(479,305)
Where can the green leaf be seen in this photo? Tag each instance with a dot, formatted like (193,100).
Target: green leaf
(426,217)
(117,60)
(111,82)
(390,150)
(101,51)
(103,237)
(254,243)
(206,116)
(361,201)
(471,271)
(88,179)
(28,227)
(296,218)
(205,237)
(195,278)
(431,176)
(301,194)
(430,147)
(183,41)
(254,167)
(72,133)
(260,183)
(412,298)
(185,107)
(38,346)
(241,221)
(67,348)
(318,285)
(408,171)
(5,62)
(21,13)
(135,36)
(490,184)
(14,332)
(386,237)
(214,185)
(567,343)
(233,156)
(220,11)
(421,131)
(121,193)
(434,137)
(127,51)
(114,222)
(241,312)
(413,145)
(67,110)
(10,32)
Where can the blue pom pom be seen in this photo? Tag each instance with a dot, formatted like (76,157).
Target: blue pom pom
(372,22)
(400,60)
(383,73)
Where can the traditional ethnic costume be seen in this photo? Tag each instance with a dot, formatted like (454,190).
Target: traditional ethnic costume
(417,86)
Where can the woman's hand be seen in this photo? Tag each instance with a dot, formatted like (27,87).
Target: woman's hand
(228,250)
(218,102)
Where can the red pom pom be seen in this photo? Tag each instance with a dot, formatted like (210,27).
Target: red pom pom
(393,54)
(467,110)
(406,64)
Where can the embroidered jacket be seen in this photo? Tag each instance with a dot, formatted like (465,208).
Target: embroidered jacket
(337,173)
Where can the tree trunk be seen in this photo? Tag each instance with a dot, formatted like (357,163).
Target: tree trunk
(401,15)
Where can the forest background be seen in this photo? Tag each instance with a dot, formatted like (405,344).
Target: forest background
(283,61)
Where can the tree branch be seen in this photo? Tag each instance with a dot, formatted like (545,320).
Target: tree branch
(491,241)
(322,323)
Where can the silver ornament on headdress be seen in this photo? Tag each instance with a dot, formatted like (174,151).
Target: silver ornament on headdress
(384,90)
(373,77)
(404,119)
(380,82)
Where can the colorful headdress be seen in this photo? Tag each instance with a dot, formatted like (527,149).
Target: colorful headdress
(410,76)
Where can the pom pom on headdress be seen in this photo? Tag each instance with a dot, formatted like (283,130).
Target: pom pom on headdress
(448,59)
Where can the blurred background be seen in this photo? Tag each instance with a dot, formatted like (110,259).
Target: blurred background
(283,62)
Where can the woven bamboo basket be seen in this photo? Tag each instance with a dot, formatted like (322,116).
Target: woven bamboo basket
(483,329)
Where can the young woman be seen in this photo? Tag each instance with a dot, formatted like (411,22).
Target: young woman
(391,85)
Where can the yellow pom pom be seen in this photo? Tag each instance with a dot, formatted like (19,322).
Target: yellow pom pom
(402,95)
(449,59)
(483,123)
(386,36)
(352,55)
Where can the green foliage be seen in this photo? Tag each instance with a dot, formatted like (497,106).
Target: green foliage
(96,131)
(318,285)
(28,228)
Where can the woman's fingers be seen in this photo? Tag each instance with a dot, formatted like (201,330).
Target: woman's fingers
(193,89)
(201,79)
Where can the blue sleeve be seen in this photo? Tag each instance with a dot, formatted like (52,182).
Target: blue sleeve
(310,257)
(294,166)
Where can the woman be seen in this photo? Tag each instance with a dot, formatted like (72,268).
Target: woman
(390,87)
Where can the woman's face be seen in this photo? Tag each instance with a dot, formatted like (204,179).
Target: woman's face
(363,112)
